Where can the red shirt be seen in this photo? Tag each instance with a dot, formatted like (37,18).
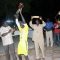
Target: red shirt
(56,30)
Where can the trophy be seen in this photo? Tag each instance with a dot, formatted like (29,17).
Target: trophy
(21,5)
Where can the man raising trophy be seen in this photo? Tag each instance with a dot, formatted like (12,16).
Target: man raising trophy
(23,29)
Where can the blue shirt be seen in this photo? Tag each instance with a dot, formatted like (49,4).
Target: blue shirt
(49,25)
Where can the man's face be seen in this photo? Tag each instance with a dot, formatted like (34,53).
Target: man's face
(37,22)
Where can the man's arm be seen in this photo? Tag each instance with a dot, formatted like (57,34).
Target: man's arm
(55,26)
(17,12)
(44,24)
(21,5)
(31,25)
(4,34)
(31,22)
(23,19)
(16,19)
(17,23)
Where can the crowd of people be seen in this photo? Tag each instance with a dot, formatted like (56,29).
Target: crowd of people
(52,35)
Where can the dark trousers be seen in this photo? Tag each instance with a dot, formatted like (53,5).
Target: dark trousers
(10,52)
(57,38)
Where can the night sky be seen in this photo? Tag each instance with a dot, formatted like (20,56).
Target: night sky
(45,8)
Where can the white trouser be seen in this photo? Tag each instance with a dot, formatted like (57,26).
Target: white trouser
(37,50)
(49,38)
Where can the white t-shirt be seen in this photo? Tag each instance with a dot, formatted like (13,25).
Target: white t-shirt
(6,40)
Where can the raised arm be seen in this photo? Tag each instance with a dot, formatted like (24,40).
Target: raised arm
(23,19)
(17,12)
(17,23)
(16,18)
(21,5)
(31,24)
(32,17)
(44,23)
(11,30)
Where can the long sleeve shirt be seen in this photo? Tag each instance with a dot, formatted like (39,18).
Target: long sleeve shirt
(38,31)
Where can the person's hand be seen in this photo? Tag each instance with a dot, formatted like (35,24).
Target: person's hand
(9,30)
(4,34)
(21,5)
(12,30)
(40,18)
(56,26)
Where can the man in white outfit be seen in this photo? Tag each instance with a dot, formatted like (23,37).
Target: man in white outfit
(7,40)
(38,37)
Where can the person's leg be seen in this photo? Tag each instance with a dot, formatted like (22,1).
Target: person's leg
(26,58)
(55,38)
(12,52)
(41,44)
(37,50)
(6,49)
(59,39)
(51,38)
(20,57)
(47,38)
